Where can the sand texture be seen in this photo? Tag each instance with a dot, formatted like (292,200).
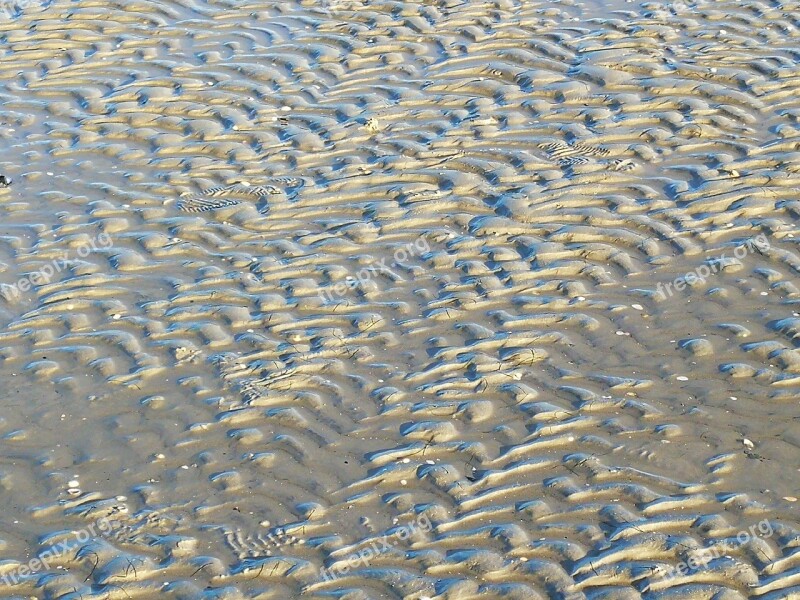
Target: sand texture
(359,300)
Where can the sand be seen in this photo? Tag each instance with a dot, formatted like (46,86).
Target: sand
(361,300)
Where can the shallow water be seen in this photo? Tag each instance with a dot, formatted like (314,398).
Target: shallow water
(509,394)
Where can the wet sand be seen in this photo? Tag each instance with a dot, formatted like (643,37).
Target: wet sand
(400,300)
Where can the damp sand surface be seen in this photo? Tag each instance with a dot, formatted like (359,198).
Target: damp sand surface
(370,300)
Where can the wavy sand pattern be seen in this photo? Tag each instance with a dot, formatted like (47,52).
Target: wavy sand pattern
(525,174)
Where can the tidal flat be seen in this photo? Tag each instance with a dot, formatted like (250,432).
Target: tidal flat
(409,300)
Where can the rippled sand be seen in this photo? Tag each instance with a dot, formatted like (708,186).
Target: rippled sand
(299,281)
